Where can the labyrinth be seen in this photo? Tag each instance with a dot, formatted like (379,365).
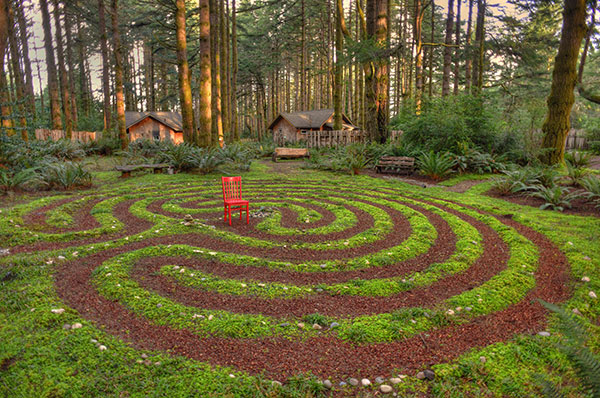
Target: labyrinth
(336,278)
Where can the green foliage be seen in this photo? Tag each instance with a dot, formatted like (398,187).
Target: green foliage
(578,158)
(555,197)
(575,346)
(447,123)
(22,179)
(471,160)
(575,174)
(513,181)
(66,175)
(436,165)
(591,184)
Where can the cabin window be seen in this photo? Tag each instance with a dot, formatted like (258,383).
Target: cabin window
(303,132)
(156,133)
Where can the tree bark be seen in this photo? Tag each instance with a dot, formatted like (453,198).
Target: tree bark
(431,52)
(223,66)
(217,121)
(64,80)
(477,83)
(118,75)
(337,92)
(417,33)
(234,71)
(185,88)
(456,50)
(4,100)
(51,68)
(468,51)
(84,94)
(105,65)
(71,63)
(17,74)
(448,50)
(205,94)
(564,77)
(377,71)
(26,61)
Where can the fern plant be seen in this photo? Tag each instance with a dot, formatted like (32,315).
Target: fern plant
(578,158)
(21,179)
(591,185)
(555,198)
(575,174)
(66,175)
(436,165)
(574,346)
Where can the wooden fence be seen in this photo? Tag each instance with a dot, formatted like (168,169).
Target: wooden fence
(54,135)
(321,139)
(576,140)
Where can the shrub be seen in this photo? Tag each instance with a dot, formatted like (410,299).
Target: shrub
(578,158)
(555,198)
(181,156)
(435,165)
(591,185)
(19,180)
(206,160)
(575,174)
(66,175)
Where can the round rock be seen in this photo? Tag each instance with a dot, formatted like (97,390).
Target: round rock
(327,384)
(365,382)
(384,388)
(395,380)
(379,380)
(544,333)
(353,382)
(429,374)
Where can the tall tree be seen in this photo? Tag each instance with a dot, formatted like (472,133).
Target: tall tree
(51,68)
(457,50)
(64,80)
(468,51)
(418,40)
(17,74)
(564,77)
(217,121)
(105,66)
(478,55)
(205,94)
(26,60)
(448,50)
(71,64)
(120,101)
(377,73)
(337,83)
(4,99)
(234,72)
(185,88)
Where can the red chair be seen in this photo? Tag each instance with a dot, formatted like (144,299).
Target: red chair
(232,198)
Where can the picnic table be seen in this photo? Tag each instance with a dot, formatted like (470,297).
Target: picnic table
(289,153)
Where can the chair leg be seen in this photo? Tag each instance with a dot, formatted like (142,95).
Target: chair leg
(241,210)
(225,213)
(229,208)
(247,215)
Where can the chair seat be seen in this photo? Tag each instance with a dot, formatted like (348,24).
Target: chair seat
(236,202)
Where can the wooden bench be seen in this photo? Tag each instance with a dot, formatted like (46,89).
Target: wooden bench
(127,169)
(395,164)
(290,153)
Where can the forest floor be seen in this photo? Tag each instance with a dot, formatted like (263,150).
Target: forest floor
(137,287)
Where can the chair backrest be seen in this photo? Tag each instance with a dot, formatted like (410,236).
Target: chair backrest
(232,187)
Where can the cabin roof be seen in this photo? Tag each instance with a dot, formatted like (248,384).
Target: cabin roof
(172,120)
(313,119)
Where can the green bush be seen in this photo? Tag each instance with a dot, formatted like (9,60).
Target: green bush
(446,123)
(65,175)
(591,184)
(578,158)
(555,197)
(436,165)
(19,180)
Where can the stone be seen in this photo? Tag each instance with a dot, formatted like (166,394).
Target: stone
(395,380)
(102,347)
(323,266)
(353,382)
(300,325)
(57,310)
(158,305)
(585,279)
(482,359)
(316,326)
(66,326)
(544,333)
(468,309)
(365,382)
(276,383)
(334,325)
(429,374)
(420,375)
(285,324)
(93,341)
(343,383)
(61,257)
(576,311)
(450,312)
(144,356)
(384,388)
(76,325)
(4,252)
(379,380)
(232,375)
(327,384)
(592,294)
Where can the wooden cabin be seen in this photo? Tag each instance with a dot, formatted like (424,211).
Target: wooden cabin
(163,126)
(292,127)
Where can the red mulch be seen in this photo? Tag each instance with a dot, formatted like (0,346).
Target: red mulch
(580,207)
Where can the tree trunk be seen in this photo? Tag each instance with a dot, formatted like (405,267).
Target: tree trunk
(185,88)
(118,75)
(105,64)
(302,56)
(205,94)
(17,74)
(223,66)
(217,121)
(417,32)
(4,101)
(468,51)
(51,68)
(64,80)
(234,71)
(26,61)
(448,50)
(70,62)
(477,82)
(84,94)
(377,71)
(432,39)
(337,92)
(456,50)
(564,77)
